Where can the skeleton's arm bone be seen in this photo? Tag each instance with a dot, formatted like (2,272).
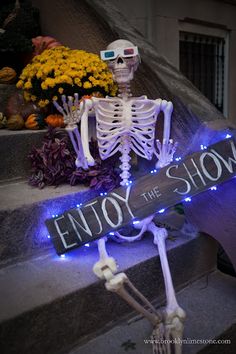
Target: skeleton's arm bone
(167,108)
(88,104)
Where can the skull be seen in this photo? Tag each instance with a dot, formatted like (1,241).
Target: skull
(123,59)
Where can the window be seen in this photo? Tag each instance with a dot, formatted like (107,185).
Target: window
(202,61)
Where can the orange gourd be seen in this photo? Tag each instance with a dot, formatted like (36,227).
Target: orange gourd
(7,75)
(55,120)
(35,121)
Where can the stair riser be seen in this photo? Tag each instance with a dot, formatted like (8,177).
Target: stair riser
(23,230)
(14,150)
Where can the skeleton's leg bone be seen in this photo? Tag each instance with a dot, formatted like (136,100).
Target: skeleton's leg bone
(105,262)
(105,268)
(117,284)
(174,315)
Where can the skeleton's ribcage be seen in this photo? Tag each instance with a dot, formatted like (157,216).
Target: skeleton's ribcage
(118,119)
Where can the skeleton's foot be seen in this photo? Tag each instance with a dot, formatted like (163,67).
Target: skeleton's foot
(158,337)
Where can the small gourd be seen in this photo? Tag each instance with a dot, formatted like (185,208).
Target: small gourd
(3,121)
(55,120)
(15,122)
(7,75)
(35,121)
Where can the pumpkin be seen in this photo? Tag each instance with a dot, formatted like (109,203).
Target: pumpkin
(55,120)
(35,121)
(15,122)
(41,43)
(7,75)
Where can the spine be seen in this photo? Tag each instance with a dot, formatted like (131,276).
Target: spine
(125,158)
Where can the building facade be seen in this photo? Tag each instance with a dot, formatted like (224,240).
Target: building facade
(198,37)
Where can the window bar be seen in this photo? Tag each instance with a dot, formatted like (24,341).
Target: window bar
(223,72)
(217,99)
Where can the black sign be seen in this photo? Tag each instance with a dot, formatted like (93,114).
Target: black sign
(147,195)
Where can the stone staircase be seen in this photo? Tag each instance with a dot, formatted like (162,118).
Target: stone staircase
(55,305)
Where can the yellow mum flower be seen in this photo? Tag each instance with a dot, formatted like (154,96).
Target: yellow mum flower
(44,86)
(56,68)
(87,85)
(20,84)
(42,103)
(27,85)
(26,96)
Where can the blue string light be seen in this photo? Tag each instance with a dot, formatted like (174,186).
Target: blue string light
(188,199)
(228,136)
(128,182)
(87,245)
(111,233)
(62,256)
(161,211)
(102,194)
(177,158)
(214,188)
(136,222)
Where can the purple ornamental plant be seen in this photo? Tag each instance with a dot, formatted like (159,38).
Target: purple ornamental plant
(54,164)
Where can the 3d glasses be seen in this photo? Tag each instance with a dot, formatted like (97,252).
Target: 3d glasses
(123,52)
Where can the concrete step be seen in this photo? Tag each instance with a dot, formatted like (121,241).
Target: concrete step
(210,304)
(49,303)
(23,211)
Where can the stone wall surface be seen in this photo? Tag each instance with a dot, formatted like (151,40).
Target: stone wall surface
(102,23)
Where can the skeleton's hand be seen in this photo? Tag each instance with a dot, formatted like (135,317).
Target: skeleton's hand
(164,153)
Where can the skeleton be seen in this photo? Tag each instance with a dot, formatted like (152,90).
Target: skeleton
(124,124)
